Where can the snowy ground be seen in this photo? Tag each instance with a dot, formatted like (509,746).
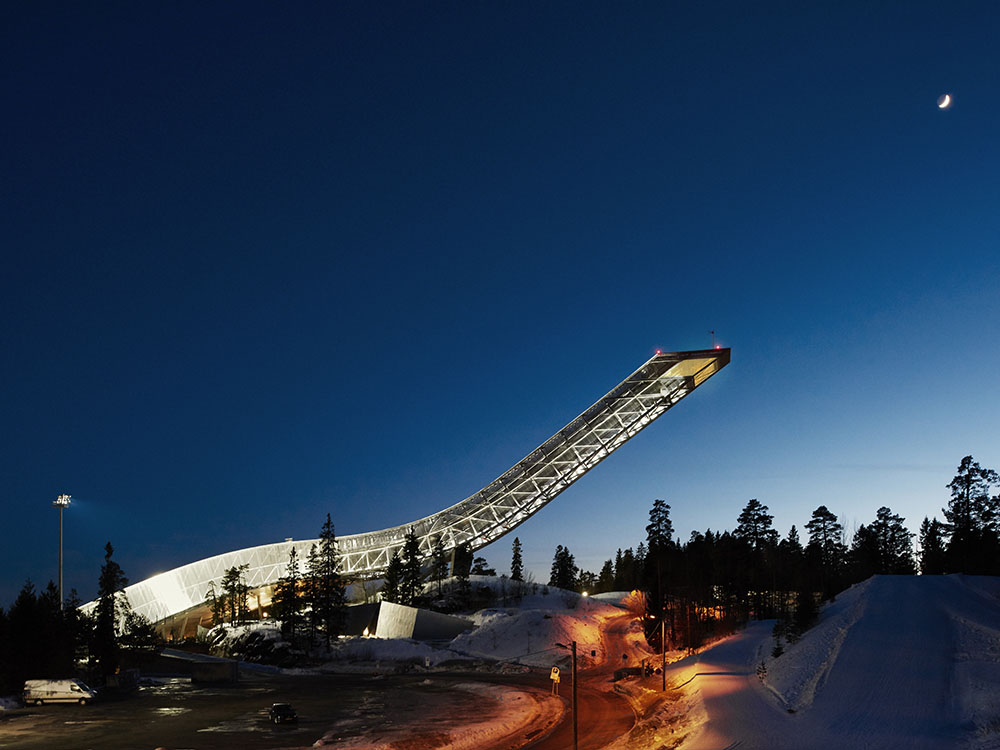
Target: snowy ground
(895,661)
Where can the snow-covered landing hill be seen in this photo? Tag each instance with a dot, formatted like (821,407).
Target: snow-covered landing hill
(900,656)
(895,662)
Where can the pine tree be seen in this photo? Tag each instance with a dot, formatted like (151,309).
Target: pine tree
(235,591)
(564,572)
(659,543)
(328,587)
(393,577)
(411,583)
(310,591)
(462,561)
(974,520)
(287,600)
(516,564)
(754,526)
(932,547)
(216,604)
(620,584)
(606,578)
(439,563)
(482,568)
(894,543)
(105,647)
(825,549)
(660,530)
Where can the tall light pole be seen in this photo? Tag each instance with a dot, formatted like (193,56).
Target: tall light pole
(61,502)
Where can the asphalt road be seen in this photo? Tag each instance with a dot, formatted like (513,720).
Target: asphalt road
(603,716)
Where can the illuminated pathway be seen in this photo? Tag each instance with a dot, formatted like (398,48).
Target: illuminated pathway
(659,383)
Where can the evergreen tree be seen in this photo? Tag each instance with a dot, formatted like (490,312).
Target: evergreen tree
(234,591)
(411,583)
(932,547)
(864,557)
(564,571)
(790,557)
(287,601)
(659,545)
(310,591)
(461,565)
(462,561)
(439,563)
(754,526)
(973,520)
(105,647)
(620,584)
(660,530)
(216,604)
(393,578)
(826,551)
(894,543)
(328,587)
(481,568)
(606,578)
(516,564)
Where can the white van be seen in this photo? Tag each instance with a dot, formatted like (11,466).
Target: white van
(57,691)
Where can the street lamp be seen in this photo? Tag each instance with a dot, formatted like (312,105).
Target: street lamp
(60,502)
(663,648)
(575,728)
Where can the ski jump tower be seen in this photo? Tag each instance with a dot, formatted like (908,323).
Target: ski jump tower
(506,502)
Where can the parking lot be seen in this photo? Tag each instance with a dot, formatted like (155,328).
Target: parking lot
(175,714)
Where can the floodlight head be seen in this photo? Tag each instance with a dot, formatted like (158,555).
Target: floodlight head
(61,502)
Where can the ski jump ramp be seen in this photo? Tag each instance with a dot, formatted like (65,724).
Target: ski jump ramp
(499,507)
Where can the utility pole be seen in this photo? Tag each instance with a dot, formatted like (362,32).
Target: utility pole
(575,742)
(663,651)
(572,647)
(61,502)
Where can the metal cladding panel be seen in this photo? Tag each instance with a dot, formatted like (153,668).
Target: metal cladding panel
(517,494)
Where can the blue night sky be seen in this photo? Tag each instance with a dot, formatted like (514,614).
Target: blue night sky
(263,262)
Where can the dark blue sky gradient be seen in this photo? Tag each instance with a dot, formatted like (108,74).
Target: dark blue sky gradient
(262,263)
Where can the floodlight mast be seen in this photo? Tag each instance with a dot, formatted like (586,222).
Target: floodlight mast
(61,503)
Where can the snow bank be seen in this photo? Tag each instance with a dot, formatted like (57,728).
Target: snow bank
(976,678)
(909,660)
(800,671)
(529,634)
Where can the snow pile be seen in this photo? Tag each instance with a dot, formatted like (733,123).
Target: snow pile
(529,634)
(796,675)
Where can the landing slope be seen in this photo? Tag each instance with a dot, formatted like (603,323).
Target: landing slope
(896,661)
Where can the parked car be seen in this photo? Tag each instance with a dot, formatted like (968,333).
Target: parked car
(57,691)
(282,713)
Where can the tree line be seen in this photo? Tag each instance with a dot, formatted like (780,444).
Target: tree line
(717,580)
(40,639)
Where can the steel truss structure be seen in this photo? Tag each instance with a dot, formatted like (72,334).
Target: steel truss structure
(503,504)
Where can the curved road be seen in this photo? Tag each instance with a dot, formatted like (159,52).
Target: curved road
(604,715)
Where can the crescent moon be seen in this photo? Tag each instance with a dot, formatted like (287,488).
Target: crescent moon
(944,101)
